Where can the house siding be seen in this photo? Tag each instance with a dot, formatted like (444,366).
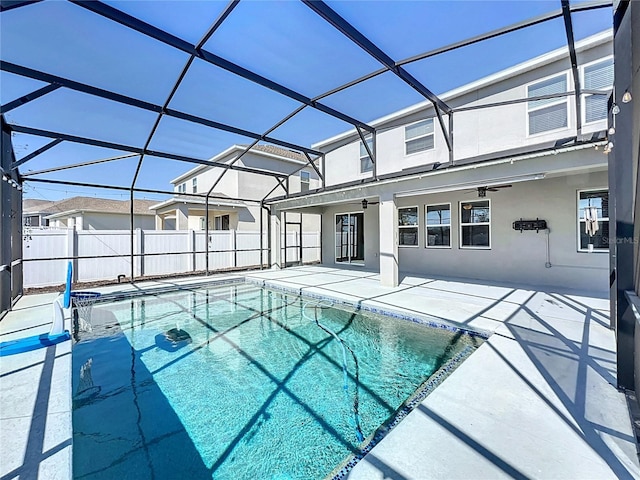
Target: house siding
(476,132)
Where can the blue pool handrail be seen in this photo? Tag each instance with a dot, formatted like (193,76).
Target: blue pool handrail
(67,290)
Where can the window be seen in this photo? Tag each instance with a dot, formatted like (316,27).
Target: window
(593,201)
(221,222)
(182,188)
(550,114)
(597,76)
(408,226)
(419,136)
(438,221)
(475,224)
(366,165)
(304,181)
(194,185)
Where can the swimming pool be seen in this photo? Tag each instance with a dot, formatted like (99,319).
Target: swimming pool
(237,381)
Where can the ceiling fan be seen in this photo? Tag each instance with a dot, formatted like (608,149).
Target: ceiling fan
(482,191)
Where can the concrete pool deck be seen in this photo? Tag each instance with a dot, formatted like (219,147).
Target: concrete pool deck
(536,400)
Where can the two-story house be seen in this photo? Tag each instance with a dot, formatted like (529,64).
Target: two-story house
(226,212)
(521,196)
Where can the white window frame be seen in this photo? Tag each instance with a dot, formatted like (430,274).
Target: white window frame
(194,185)
(581,220)
(306,181)
(416,226)
(557,101)
(474,247)
(583,97)
(432,134)
(366,155)
(182,188)
(215,218)
(426,226)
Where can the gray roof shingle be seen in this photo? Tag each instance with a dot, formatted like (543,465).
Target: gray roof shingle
(92,204)
(278,151)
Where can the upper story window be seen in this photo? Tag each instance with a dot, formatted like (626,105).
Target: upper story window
(596,76)
(438,220)
(408,226)
(182,188)
(305,178)
(593,220)
(419,136)
(194,185)
(366,165)
(549,114)
(475,224)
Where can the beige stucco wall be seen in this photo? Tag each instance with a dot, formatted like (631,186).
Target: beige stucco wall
(112,221)
(514,257)
(476,132)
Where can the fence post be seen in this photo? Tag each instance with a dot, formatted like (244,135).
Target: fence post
(234,247)
(72,248)
(139,249)
(191,247)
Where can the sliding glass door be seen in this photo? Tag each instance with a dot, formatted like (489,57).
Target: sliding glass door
(350,238)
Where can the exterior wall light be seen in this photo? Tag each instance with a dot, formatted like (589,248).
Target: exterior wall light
(615,109)
(626,98)
(364,204)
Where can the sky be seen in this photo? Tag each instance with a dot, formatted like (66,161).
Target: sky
(284,41)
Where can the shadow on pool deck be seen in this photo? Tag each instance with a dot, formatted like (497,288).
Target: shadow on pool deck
(537,400)
(35,453)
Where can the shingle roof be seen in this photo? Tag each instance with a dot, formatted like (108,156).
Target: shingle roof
(34,205)
(283,152)
(92,204)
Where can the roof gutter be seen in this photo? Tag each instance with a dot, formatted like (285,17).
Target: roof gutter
(399,177)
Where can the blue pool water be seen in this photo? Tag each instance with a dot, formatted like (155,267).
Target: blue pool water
(240,382)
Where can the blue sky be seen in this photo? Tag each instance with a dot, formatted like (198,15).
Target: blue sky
(283,41)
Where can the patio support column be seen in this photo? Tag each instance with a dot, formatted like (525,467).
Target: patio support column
(275,221)
(6,200)
(388,240)
(182,216)
(623,197)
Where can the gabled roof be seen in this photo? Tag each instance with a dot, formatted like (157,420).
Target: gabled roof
(269,151)
(95,205)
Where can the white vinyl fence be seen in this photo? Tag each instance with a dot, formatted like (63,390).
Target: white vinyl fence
(47,252)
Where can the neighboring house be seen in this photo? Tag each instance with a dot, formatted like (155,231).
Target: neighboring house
(33,212)
(88,213)
(514,161)
(225,212)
